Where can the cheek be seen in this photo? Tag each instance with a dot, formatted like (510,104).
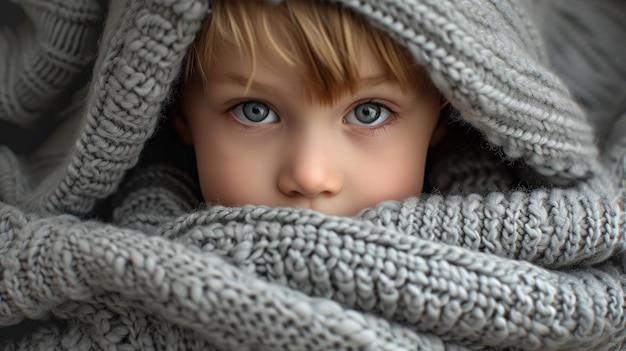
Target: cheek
(229,173)
(396,167)
(393,172)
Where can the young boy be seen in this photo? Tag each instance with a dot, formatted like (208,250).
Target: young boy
(302,104)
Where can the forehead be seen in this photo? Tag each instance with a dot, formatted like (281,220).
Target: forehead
(271,72)
(268,58)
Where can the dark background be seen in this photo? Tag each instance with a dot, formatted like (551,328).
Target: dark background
(16,138)
(10,14)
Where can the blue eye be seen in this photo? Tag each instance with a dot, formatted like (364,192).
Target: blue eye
(369,114)
(254,112)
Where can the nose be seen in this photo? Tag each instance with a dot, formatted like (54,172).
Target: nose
(309,170)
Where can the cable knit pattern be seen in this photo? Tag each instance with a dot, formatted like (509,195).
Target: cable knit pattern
(144,46)
(43,57)
(552,229)
(583,51)
(202,293)
(438,288)
(537,121)
(519,245)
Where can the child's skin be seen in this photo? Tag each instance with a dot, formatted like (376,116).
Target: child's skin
(272,144)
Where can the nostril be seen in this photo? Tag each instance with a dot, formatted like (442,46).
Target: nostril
(310,184)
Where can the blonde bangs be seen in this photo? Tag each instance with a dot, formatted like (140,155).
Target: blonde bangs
(322,40)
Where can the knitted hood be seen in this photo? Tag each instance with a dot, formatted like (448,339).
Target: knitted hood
(519,246)
(485,57)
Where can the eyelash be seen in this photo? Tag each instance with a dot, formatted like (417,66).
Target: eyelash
(382,128)
(239,125)
(373,131)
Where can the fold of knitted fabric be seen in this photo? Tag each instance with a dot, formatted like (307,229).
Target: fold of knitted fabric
(226,278)
(519,245)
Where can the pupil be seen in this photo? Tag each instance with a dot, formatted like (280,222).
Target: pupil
(255,111)
(367,113)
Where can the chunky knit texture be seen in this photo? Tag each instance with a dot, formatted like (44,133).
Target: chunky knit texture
(519,246)
(41,58)
(597,81)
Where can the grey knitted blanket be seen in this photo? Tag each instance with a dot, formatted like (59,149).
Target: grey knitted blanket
(520,246)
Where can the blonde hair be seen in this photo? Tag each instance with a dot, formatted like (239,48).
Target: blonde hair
(322,39)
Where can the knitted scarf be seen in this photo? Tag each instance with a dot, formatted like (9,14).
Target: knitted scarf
(518,247)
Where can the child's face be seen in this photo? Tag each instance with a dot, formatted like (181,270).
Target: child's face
(272,145)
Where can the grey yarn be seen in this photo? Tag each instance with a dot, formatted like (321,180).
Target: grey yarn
(519,246)
(587,53)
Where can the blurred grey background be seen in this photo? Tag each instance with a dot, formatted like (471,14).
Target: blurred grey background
(12,15)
